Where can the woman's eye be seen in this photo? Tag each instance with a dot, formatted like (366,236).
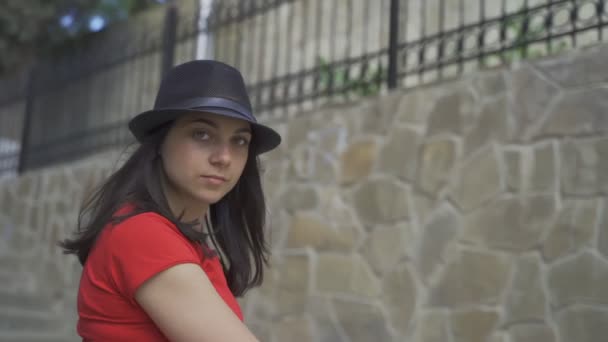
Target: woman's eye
(200,135)
(242,141)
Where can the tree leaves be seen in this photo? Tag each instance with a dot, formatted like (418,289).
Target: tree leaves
(31,29)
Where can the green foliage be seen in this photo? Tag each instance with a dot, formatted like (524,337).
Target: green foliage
(338,80)
(31,28)
(515,26)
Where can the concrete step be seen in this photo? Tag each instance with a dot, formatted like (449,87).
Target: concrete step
(10,280)
(15,321)
(31,302)
(36,337)
(10,262)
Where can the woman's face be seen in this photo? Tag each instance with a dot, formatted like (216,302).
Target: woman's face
(203,156)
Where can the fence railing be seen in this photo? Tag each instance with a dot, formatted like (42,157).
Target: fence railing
(294,54)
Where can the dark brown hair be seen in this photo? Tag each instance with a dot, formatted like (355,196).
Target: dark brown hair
(237,219)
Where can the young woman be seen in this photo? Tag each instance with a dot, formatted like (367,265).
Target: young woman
(173,236)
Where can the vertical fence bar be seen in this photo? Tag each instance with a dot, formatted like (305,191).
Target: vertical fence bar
(441,37)
(239,23)
(503,29)
(404,36)
(481,35)
(331,86)
(319,57)
(288,59)
(525,29)
(573,19)
(169,37)
(461,37)
(599,10)
(393,41)
(548,25)
(27,120)
(423,39)
(348,45)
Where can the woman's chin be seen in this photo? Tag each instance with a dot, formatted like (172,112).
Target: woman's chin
(208,198)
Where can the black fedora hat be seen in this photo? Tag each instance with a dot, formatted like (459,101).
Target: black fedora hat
(203,86)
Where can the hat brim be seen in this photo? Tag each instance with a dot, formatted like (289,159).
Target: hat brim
(265,138)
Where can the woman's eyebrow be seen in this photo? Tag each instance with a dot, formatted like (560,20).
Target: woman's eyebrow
(245,129)
(205,121)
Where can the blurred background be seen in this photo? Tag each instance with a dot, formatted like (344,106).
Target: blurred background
(443,176)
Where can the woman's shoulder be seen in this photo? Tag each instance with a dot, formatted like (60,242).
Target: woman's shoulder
(133,224)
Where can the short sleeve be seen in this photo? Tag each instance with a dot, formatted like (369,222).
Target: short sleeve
(142,246)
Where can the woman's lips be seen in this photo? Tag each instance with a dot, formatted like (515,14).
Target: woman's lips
(216,180)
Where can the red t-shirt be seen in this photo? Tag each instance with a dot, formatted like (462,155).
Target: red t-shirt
(123,258)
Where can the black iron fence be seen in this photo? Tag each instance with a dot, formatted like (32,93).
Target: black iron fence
(294,54)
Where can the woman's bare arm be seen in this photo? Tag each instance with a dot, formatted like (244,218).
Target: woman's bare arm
(185,306)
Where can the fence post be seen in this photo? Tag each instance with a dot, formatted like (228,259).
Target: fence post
(27,120)
(169,38)
(393,41)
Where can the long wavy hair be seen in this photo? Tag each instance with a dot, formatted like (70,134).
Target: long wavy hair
(235,223)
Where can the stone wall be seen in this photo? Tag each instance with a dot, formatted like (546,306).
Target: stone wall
(468,211)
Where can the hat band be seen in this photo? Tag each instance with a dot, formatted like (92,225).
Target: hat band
(213,102)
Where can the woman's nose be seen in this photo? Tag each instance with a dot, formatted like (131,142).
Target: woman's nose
(221,155)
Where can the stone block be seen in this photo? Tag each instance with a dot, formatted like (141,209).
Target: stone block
(437,159)
(323,316)
(7,199)
(295,273)
(584,166)
(27,184)
(273,178)
(573,230)
(582,68)
(399,155)
(489,84)
(356,163)
(578,112)
(385,246)
(260,330)
(278,224)
(310,163)
(382,200)
(378,116)
(582,279)
(298,129)
(543,172)
(361,322)
(603,230)
(433,327)
(532,333)
(294,328)
(346,274)
(312,231)
(513,161)
(422,205)
(526,299)
(440,230)
(478,181)
(511,223)
(583,324)
(415,106)
(330,138)
(472,278)
(451,113)
(399,295)
(473,325)
(531,95)
(287,302)
(299,197)
(493,124)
